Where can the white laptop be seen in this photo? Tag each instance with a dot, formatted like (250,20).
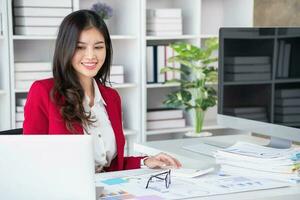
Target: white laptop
(43,167)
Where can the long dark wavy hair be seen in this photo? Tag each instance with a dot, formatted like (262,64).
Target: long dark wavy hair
(67,91)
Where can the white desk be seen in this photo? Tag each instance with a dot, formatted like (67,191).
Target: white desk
(194,160)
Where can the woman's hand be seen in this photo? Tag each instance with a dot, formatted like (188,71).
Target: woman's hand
(162,160)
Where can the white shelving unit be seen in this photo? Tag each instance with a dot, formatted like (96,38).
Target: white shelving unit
(5,106)
(201,20)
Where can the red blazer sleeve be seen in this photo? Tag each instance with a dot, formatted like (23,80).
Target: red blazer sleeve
(36,110)
(128,162)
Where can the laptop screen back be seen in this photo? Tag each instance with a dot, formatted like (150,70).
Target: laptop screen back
(46,167)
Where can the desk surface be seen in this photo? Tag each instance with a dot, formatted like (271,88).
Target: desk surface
(194,160)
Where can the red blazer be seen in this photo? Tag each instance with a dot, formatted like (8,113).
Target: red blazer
(42,116)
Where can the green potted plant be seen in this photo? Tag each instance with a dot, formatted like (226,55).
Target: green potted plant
(196,71)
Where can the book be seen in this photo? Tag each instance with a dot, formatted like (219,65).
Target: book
(287,118)
(164,33)
(163,124)
(32,75)
(150,64)
(168,54)
(158,114)
(20,108)
(161,20)
(31,30)
(39,3)
(32,66)
(117,70)
(21,102)
(248,76)
(287,102)
(255,116)
(280,59)
(247,60)
(287,110)
(116,78)
(23,85)
(164,13)
(19,117)
(248,68)
(287,93)
(1,31)
(19,124)
(160,63)
(164,27)
(243,110)
(38,21)
(41,12)
(286,60)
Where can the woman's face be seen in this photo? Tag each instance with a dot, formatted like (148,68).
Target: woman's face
(90,53)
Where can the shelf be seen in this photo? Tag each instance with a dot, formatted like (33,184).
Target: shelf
(34,37)
(124,85)
(162,85)
(45,37)
(208,126)
(247,82)
(166,85)
(172,37)
(204,36)
(250,37)
(129,132)
(2,92)
(123,37)
(117,86)
(288,80)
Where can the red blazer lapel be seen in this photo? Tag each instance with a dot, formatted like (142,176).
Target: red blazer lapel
(113,109)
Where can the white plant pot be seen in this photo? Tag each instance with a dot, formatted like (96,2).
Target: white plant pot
(201,134)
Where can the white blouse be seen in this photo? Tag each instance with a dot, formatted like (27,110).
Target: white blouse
(105,148)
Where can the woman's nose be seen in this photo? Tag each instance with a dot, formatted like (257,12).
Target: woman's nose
(90,53)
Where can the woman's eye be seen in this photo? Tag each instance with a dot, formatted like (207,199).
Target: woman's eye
(79,47)
(99,47)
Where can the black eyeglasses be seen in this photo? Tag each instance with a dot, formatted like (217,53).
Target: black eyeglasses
(166,176)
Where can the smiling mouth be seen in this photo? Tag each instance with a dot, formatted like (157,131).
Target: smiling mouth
(90,66)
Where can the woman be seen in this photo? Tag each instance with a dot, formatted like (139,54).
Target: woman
(77,101)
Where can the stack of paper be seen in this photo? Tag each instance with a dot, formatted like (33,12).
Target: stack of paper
(260,161)
(162,118)
(35,17)
(28,72)
(164,21)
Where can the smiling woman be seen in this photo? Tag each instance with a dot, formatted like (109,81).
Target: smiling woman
(77,101)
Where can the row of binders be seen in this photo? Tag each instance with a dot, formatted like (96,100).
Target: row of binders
(164,21)
(260,162)
(28,72)
(34,17)
(284,54)
(156,59)
(165,118)
(247,68)
(287,107)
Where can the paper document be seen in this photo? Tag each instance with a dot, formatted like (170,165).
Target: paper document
(258,151)
(191,173)
(134,187)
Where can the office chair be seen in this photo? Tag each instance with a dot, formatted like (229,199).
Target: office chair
(17,131)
